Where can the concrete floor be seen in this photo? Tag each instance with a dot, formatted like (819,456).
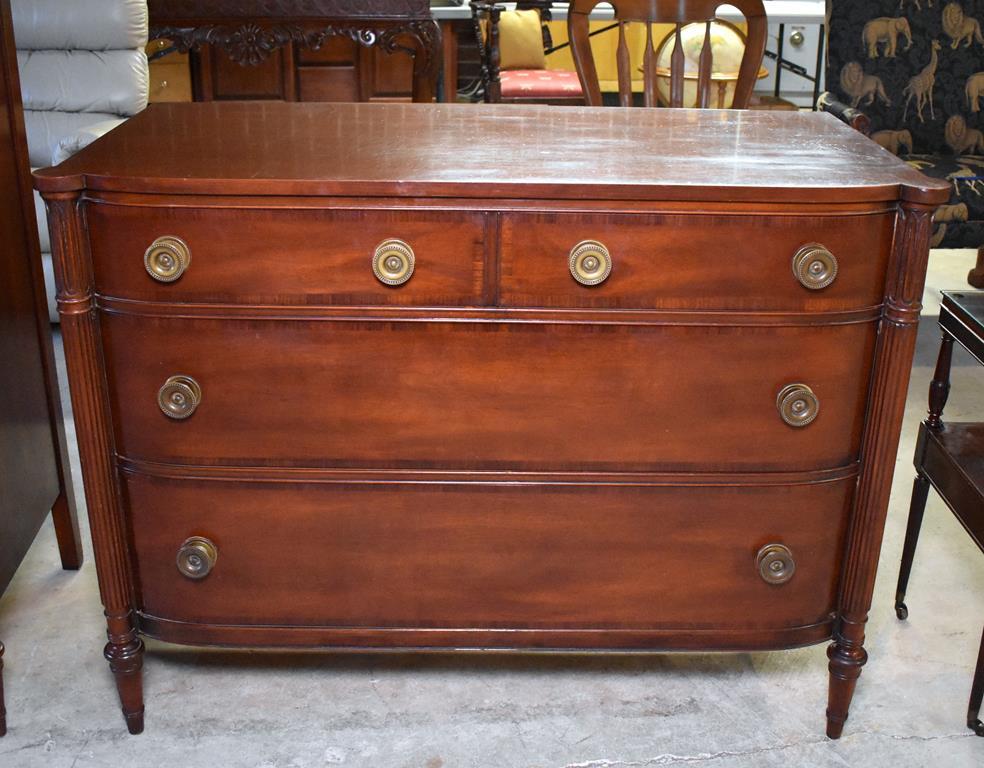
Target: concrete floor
(308,710)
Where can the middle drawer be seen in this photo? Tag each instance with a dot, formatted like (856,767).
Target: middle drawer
(486,395)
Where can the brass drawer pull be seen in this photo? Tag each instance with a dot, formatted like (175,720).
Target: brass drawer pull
(797,405)
(775,564)
(179,397)
(393,262)
(590,262)
(196,558)
(815,267)
(167,258)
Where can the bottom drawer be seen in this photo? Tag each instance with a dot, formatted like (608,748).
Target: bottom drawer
(470,556)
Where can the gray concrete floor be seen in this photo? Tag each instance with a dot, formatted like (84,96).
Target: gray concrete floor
(308,710)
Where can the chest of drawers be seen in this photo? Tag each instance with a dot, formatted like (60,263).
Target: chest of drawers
(403,376)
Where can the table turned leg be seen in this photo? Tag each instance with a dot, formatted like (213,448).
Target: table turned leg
(66,520)
(976,275)
(939,387)
(939,391)
(977,695)
(920,493)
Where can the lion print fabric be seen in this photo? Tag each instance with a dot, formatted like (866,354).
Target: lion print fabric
(916,68)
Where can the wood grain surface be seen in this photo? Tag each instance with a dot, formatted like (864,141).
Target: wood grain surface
(580,153)
(290,256)
(481,395)
(475,556)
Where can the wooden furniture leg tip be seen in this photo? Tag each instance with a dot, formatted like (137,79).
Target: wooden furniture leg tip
(835,727)
(976,276)
(67,533)
(134,722)
(3,710)
(847,657)
(126,663)
(901,611)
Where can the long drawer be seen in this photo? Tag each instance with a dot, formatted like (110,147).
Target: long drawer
(692,261)
(487,395)
(281,256)
(322,256)
(320,554)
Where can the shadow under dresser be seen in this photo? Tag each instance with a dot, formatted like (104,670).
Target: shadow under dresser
(413,376)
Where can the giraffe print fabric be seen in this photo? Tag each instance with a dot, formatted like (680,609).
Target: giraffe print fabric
(916,68)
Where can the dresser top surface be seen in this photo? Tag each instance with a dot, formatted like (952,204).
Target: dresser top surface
(491,151)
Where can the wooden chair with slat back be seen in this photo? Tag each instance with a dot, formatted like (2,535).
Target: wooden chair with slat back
(528,79)
(680,13)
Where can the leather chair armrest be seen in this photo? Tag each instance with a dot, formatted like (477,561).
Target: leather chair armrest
(82,138)
(855,118)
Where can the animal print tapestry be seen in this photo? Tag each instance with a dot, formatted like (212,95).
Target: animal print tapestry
(915,67)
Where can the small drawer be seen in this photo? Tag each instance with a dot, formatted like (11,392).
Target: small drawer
(481,395)
(285,256)
(482,556)
(170,82)
(705,262)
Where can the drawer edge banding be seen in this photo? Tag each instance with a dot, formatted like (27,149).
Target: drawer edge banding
(451,640)
(286,474)
(491,205)
(336,313)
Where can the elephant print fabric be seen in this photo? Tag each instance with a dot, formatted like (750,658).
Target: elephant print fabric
(916,68)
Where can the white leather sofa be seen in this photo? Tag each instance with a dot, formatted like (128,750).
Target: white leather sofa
(83,71)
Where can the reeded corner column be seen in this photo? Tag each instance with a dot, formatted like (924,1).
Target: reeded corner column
(90,402)
(890,382)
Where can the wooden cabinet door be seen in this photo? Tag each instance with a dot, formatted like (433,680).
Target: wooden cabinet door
(341,70)
(29,412)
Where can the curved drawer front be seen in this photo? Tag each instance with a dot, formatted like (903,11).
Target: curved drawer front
(728,262)
(281,256)
(317,554)
(475,395)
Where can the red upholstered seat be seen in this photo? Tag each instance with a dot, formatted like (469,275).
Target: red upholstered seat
(540,84)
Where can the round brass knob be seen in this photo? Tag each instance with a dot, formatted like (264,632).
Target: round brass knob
(590,262)
(196,557)
(775,564)
(167,258)
(393,262)
(179,397)
(797,405)
(814,266)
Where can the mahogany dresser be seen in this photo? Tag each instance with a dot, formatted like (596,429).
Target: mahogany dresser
(414,376)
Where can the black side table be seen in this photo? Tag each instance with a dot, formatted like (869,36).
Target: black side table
(950,457)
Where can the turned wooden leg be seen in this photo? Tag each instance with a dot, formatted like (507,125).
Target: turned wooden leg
(3,709)
(977,695)
(939,387)
(125,652)
(66,520)
(920,492)
(976,276)
(847,655)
